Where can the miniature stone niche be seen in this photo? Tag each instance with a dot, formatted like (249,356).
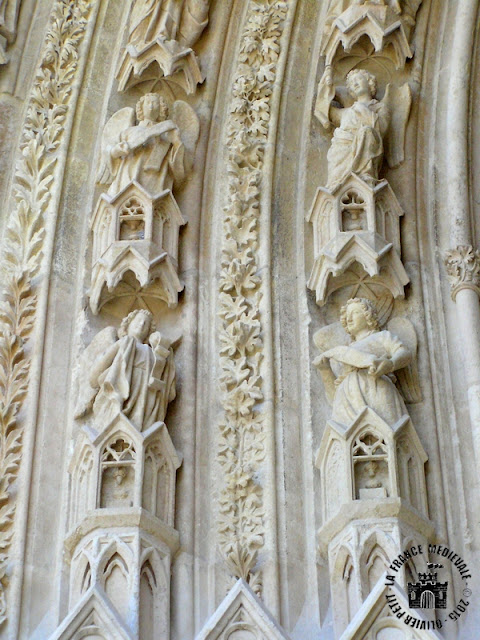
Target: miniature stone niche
(160,36)
(356,217)
(136,222)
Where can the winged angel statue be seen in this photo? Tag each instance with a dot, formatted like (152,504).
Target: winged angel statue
(155,151)
(367,130)
(373,369)
(120,373)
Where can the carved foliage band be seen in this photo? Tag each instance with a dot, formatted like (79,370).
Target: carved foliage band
(242,434)
(42,136)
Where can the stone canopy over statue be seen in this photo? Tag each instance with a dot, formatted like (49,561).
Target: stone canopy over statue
(365,132)
(121,373)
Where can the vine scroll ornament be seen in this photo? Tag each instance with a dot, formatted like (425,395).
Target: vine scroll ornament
(242,434)
(42,136)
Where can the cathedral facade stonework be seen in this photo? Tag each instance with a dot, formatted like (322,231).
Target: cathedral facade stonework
(239,319)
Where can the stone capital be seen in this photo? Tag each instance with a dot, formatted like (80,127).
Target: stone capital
(463,269)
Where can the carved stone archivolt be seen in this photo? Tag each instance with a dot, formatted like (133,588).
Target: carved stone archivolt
(42,142)
(241,526)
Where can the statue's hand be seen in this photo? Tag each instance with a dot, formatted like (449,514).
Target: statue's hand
(120,150)
(322,362)
(155,340)
(380,367)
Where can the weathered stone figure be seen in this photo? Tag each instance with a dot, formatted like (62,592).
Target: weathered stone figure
(181,20)
(357,375)
(150,152)
(357,144)
(128,375)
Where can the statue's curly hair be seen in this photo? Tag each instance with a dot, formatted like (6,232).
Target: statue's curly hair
(131,316)
(369,310)
(372,81)
(162,102)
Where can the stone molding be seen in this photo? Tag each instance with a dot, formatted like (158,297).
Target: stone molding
(463,269)
(38,167)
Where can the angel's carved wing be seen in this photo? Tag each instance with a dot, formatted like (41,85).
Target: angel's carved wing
(121,120)
(86,393)
(408,382)
(189,128)
(399,101)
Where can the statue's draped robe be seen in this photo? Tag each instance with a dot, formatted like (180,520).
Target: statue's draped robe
(129,385)
(181,20)
(356,389)
(357,144)
(156,164)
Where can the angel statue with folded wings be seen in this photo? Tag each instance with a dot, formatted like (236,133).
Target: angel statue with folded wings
(155,152)
(120,373)
(376,369)
(367,130)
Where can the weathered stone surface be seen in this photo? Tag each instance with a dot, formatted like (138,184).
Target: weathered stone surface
(239,319)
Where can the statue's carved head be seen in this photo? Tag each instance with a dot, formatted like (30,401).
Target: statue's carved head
(152,106)
(358,79)
(358,314)
(138,323)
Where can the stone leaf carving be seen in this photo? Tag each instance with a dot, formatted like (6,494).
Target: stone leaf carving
(43,133)
(122,374)
(8,25)
(463,269)
(366,131)
(136,222)
(358,375)
(160,36)
(242,433)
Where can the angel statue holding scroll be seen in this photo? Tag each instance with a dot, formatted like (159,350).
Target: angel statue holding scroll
(361,374)
(367,130)
(155,152)
(120,373)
